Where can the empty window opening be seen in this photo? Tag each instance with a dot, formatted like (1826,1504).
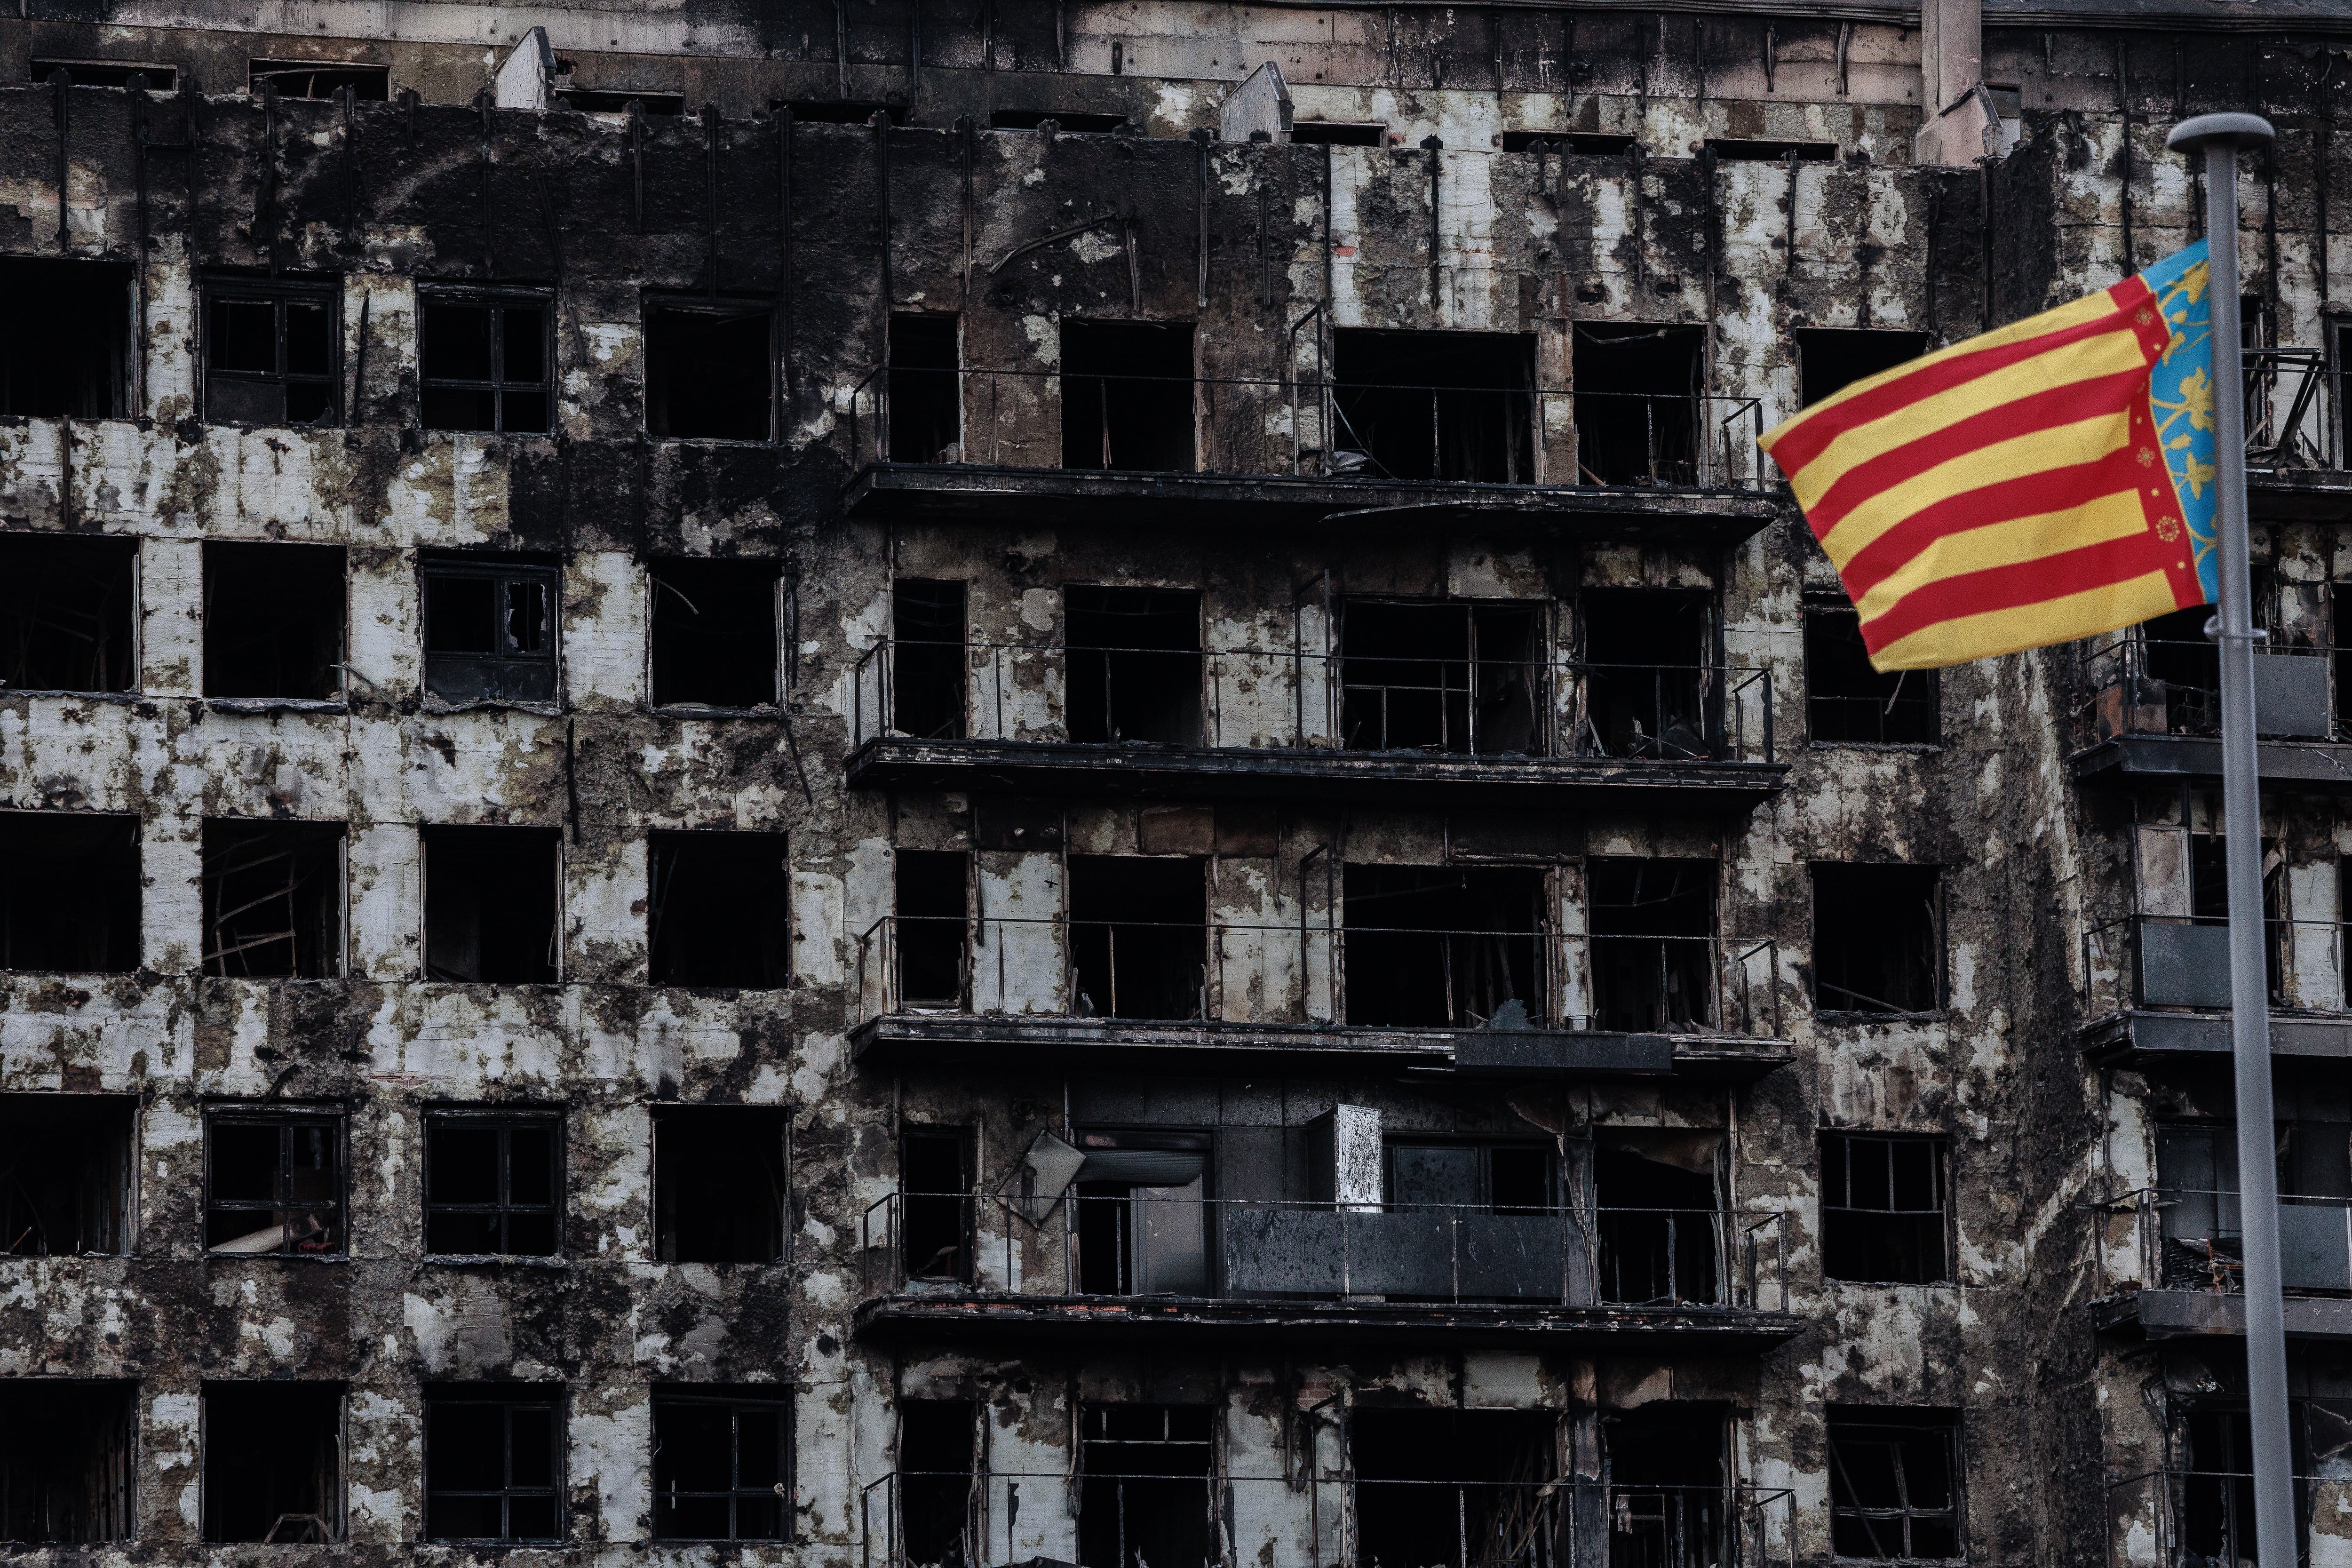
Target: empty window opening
(720,1191)
(1494,1177)
(2216,1493)
(65,1176)
(927,659)
(273,1183)
(1637,408)
(1654,964)
(67,612)
(844,111)
(490,630)
(273,1462)
(1146,1497)
(1846,700)
(925,404)
(1740,149)
(274,620)
(1134,665)
(720,910)
(1583,143)
(1445,946)
(2196,1169)
(1336,134)
(493,1461)
(939,1483)
(274,899)
(709,370)
(1657,1197)
(934,940)
(1457,677)
(483,358)
(1127,396)
(935,1180)
(493,1183)
(1878,944)
(1455,1488)
(1895,1485)
(1666,1472)
(1069,122)
(1435,405)
(68,892)
(723,1464)
(1883,1209)
(65,1469)
(714,632)
(70,359)
(1648,689)
(617,101)
(273,352)
(1139,936)
(320,79)
(2208,899)
(106,73)
(490,904)
(1831,358)
(1139,1216)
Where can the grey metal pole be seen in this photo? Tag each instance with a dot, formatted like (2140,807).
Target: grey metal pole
(2219,136)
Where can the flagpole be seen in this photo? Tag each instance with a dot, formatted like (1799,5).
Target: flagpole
(2219,136)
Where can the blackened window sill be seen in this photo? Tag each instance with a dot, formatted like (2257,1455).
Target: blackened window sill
(124,698)
(1913,748)
(436,704)
(494,1259)
(1850,1017)
(711,711)
(277,704)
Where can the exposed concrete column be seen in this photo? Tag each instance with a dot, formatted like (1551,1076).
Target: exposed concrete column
(1961,124)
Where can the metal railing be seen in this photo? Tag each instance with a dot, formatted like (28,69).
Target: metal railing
(2177,1239)
(1405,977)
(2154,686)
(1325,1516)
(2295,409)
(1246,1249)
(1304,424)
(2183,960)
(1290,698)
(2181,1518)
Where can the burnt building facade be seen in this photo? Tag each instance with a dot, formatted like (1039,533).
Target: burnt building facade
(901,784)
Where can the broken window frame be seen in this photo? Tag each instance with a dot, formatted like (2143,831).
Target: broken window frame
(740,1405)
(288,1122)
(116,618)
(514,677)
(722,307)
(279,293)
(617,101)
(160,78)
(1478,434)
(1924,688)
(1094,1418)
(1858,1424)
(783,583)
(281,74)
(455,834)
(507,1398)
(1939,959)
(1849,1144)
(504,1122)
(285,839)
(106,1198)
(333,1516)
(498,301)
(1481,675)
(117,1430)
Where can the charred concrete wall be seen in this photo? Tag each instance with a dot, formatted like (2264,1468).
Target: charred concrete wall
(830,229)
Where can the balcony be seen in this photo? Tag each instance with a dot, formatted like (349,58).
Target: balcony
(1309,1518)
(2199,1518)
(943,991)
(1144,452)
(2170,1266)
(2155,715)
(2298,440)
(1163,1266)
(1290,724)
(2157,990)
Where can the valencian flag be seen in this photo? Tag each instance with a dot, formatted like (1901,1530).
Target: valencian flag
(2047,481)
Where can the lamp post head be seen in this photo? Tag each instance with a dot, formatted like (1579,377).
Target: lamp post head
(2227,130)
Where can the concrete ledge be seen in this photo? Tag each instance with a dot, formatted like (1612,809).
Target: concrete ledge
(2174,1314)
(2317,766)
(2149,1038)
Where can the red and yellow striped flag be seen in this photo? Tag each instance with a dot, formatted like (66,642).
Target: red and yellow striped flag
(2049,481)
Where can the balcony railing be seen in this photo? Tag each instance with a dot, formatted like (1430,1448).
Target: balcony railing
(1289,699)
(2173,1239)
(2295,410)
(2205,1518)
(1236,1249)
(1304,425)
(2182,961)
(2151,686)
(1405,977)
(1324,1517)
